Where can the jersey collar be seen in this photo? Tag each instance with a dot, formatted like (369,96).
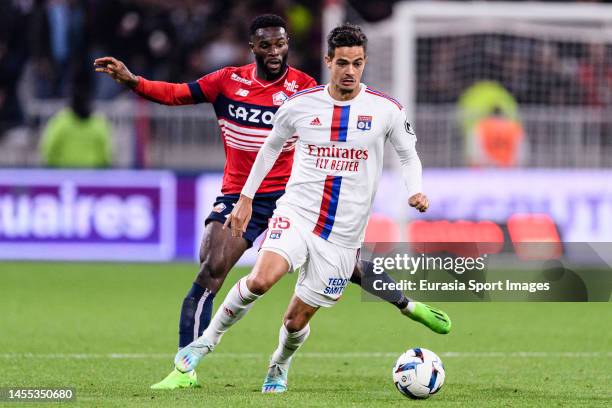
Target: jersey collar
(264,83)
(344,103)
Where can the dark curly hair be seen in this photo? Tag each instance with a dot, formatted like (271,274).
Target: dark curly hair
(267,20)
(346,35)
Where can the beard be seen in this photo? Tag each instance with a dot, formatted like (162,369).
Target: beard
(268,74)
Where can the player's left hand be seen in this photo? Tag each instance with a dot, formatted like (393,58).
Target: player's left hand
(240,216)
(419,201)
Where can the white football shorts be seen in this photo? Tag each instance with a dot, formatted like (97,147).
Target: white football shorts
(325,268)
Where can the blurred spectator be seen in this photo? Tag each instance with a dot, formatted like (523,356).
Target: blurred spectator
(224,50)
(497,141)
(59,39)
(481,100)
(76,138)
(550,86)
(493,135)
(441,77)
(595,75)
(13,55)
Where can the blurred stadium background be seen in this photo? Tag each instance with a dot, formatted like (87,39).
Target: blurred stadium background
(512,105)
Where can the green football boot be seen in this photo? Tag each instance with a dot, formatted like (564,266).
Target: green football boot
(176,380)
(435,319)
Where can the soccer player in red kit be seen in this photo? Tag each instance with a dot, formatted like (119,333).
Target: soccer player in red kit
(245,100)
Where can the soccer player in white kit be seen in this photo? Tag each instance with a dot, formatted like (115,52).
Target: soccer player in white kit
(320,221)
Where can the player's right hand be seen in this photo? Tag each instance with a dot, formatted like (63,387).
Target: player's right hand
(240,216)
(117,70)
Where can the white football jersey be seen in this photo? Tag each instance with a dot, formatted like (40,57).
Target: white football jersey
(339,158)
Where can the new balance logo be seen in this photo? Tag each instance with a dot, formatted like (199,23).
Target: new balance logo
(242,92)
(316,122)
(228,312)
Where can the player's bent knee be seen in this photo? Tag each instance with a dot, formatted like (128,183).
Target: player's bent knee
(213,266)
(258,284)
(295,324)
(269,268)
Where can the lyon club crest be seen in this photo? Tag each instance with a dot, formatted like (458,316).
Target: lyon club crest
(278,98)
(275,234)
(364,122)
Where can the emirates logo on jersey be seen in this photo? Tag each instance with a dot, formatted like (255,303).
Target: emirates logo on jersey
(337,158)
(278,98)
(338,152)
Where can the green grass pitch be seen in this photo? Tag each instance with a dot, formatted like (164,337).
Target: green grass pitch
(110,331)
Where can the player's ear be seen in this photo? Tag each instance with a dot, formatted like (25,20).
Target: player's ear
(251,45)
(328,61)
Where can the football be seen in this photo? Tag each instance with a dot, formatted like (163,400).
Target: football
(418,373)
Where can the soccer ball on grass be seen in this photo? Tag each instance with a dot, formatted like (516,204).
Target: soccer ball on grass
(418,373)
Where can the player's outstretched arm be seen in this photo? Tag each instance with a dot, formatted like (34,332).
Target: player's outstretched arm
(165,93)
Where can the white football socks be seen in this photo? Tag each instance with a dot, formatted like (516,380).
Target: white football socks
(235,305)
(288,344)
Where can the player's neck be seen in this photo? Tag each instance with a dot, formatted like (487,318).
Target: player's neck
(263,75)
(340,95)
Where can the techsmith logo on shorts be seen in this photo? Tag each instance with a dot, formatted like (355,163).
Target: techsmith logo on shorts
(335,286)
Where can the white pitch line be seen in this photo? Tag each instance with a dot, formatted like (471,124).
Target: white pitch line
(447,354)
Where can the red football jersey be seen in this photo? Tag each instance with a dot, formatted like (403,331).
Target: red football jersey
(245,106)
